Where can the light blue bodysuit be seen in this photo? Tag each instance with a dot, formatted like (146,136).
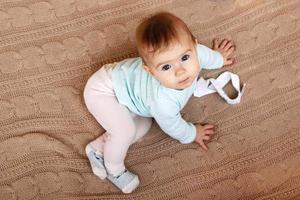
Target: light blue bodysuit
(145,96)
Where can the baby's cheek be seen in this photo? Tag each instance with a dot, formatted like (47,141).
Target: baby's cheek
(197,67)
(168,80)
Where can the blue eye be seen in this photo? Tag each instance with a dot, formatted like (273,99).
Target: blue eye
(166,67)
(185,57)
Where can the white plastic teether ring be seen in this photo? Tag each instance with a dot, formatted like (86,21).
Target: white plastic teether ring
(205,87)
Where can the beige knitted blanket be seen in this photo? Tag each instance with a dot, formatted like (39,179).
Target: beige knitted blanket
(48,50)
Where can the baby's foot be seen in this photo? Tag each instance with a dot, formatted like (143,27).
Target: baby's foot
(96,161)
(125,181)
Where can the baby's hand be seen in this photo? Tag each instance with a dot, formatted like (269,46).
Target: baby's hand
(204,133)
(226,48)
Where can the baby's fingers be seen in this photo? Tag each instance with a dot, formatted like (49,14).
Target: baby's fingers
(206,138)
(230,51)
(229,61)
(224,43)
(209,132)
(216,43)
(208,126)
(202,145)
(228,45)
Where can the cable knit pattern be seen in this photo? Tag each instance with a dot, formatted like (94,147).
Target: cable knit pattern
(48,50)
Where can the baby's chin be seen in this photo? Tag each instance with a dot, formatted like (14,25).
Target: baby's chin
(188,83)
(182,87)
(178,86)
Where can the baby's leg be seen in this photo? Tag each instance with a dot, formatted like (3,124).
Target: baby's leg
(142,124)
(119,125)
(99,142)
(120,132)
(119,137)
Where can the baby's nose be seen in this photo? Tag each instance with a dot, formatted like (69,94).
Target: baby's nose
(179,70)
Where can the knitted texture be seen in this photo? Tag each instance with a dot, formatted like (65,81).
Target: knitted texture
(48,50)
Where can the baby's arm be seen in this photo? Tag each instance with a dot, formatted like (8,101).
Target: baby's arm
(169,119)
(167,115)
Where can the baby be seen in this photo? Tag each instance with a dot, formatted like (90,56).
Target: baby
(124,97)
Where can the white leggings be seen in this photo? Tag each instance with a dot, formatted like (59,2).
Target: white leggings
(122,126)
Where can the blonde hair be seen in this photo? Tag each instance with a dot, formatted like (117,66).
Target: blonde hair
(158,31)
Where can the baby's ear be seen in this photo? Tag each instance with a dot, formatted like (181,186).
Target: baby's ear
(196,41)
(147,68)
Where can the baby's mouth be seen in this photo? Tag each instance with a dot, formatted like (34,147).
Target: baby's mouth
(184,81)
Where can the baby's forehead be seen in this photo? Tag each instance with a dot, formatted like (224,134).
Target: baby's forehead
(170,52)
(182,41)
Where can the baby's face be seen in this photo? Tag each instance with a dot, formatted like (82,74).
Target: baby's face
(176,66)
